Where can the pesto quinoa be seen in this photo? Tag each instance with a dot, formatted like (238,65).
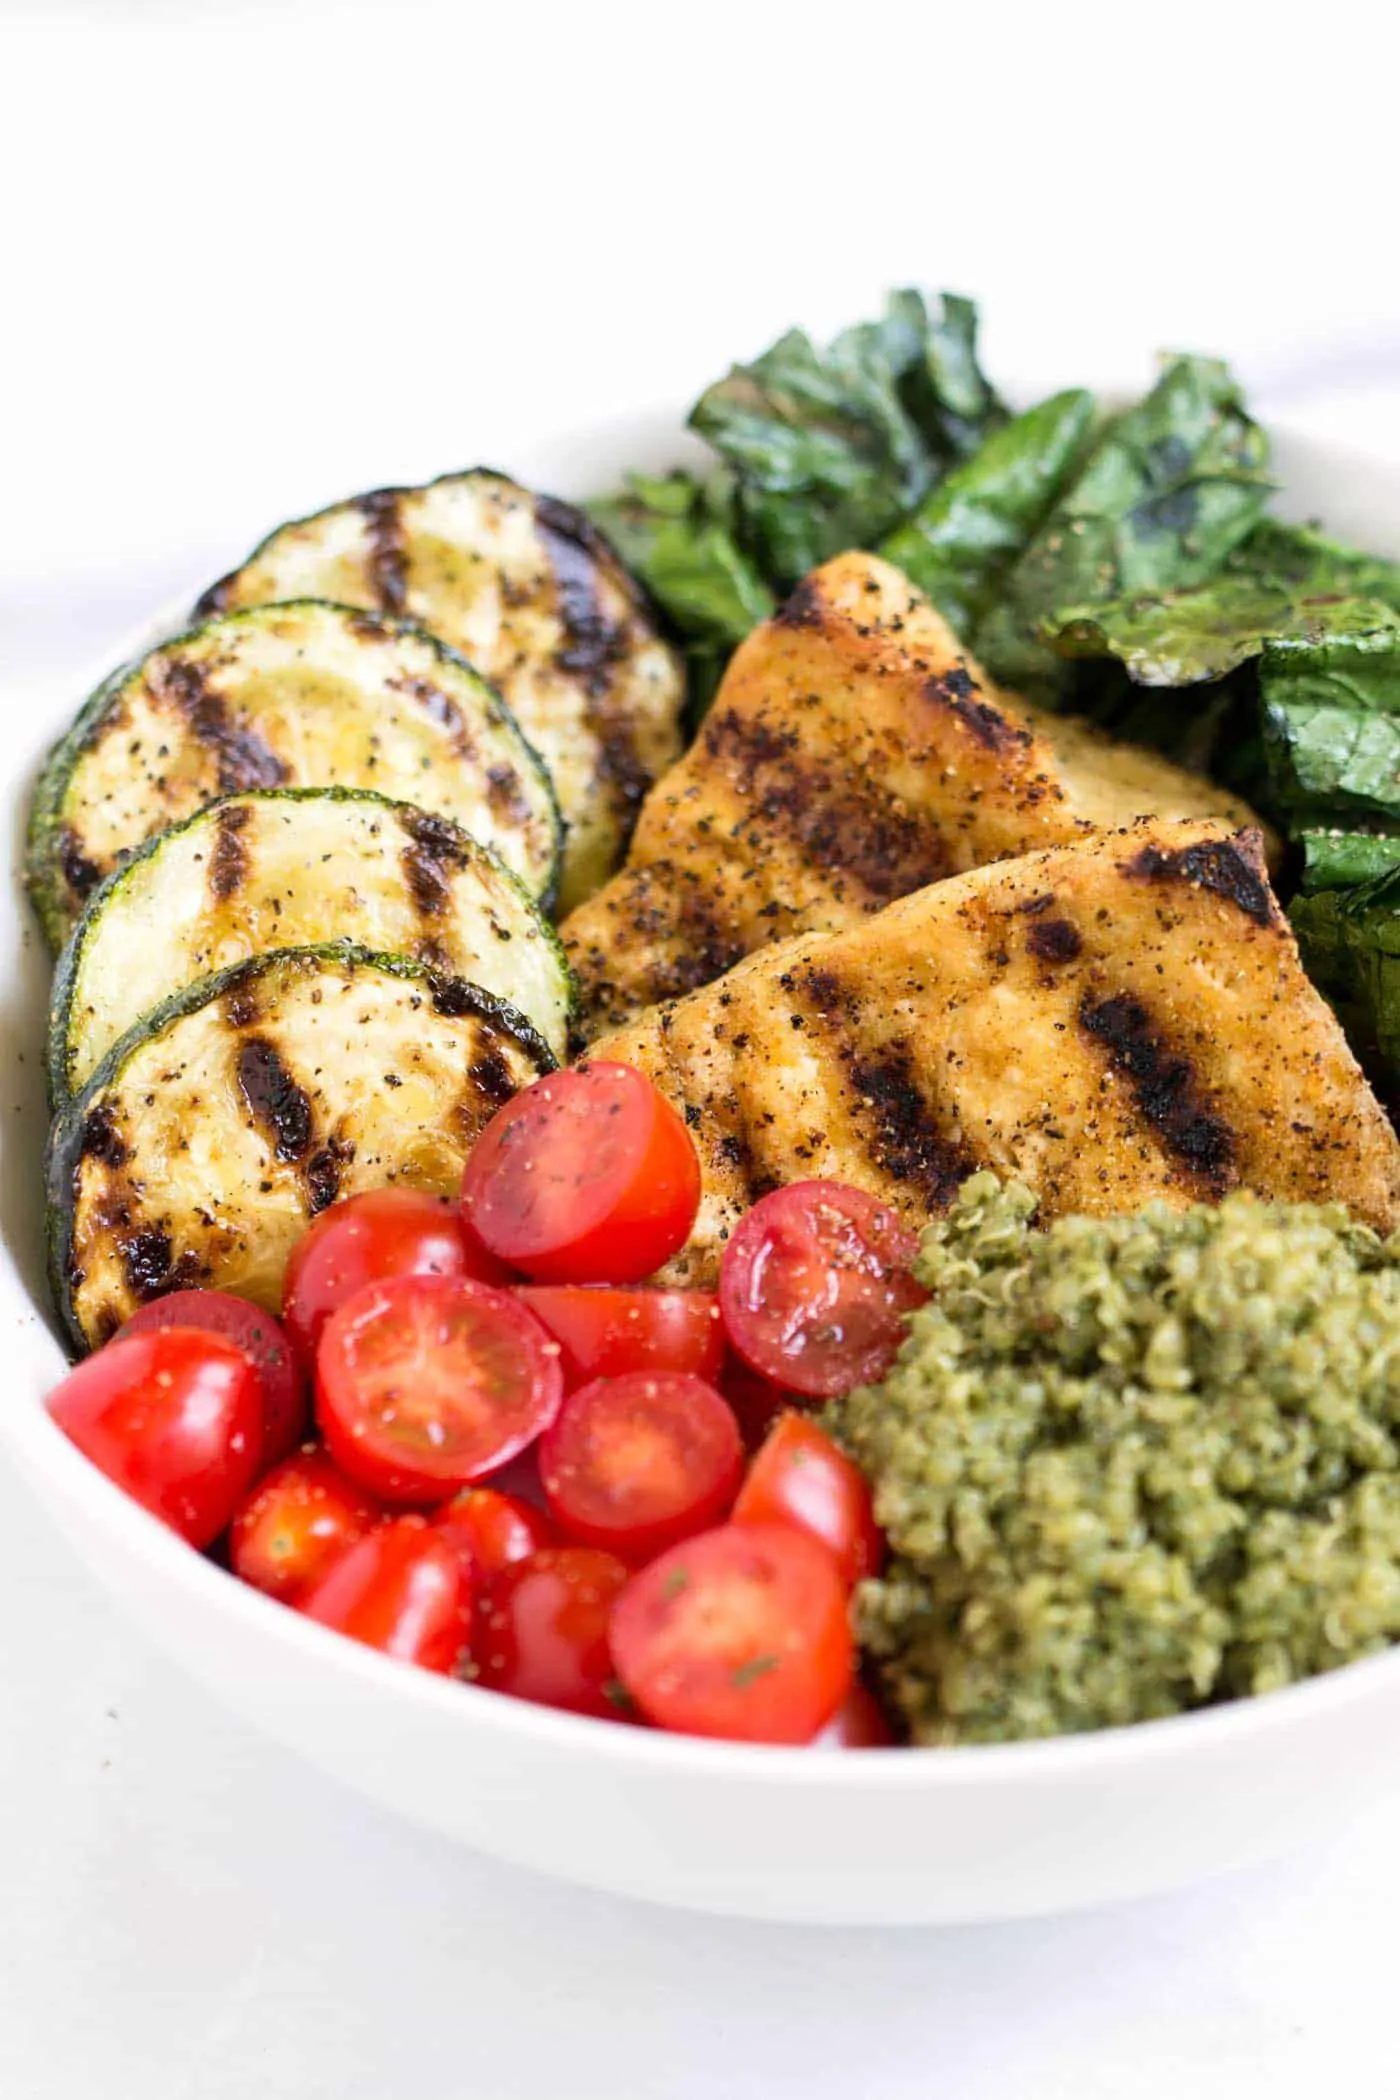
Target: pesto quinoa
(1130,1466)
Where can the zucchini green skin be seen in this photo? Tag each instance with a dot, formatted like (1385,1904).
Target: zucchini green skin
(111,894)
(528,589)
(57,884)
(85,1125)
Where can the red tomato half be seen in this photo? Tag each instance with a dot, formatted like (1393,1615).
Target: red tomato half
(493,1530)
(403,1589)
(814,1284)
(588,1176)
(543,1635)
(636,1463)
(366,1239)
(258,1335)
(425,1384)
(858,1723)
(604,1333)
(740,1633)
(756,1401)
(298,1520)
(801,1477)
(175,1417)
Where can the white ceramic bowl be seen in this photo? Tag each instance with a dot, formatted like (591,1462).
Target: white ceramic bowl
(884,1836)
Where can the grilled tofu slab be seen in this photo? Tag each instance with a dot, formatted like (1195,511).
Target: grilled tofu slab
(528,590)
(295,695)
(854,752)
(211,1133)
(1113,1021)
(292,868)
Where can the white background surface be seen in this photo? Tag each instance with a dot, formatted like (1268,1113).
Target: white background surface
(250,264)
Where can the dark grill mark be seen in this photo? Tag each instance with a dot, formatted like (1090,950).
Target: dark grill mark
(491,1077)
(432,855)
(323,1173)
(1164,1083)
(1053,940)
(506,797)
(274,1099)
(747,741)
(959,692)
(592,642)
(241,758)
(804,606)
(101,1139)
(594,645)
(905,1141)
(81,874)
(849,829)
(441,708)
(1221,866)
(228,863)
(388,557)
(145,1259)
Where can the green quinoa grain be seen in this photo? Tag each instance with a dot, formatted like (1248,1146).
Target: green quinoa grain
(1129,1466)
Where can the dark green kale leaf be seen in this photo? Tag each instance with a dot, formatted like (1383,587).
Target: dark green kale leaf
(965,535)
(831,448)
(1172,487)
(1307,563)
(1335,860)
(1350,944)
(1175,638)
(675,533)
(947,393)
(1331,718)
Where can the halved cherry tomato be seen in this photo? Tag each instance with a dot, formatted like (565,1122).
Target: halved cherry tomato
(175,1417)
(814,1285)
(740,1633)
(366,1239)
(801,1477)
(757,1402)
(543,1635)
(258,1335)
(299,1519)
(493,1530)
(858,1723)
(604,1333)
(588,1176)
(424,1384)
(403,1589)
(636,1463)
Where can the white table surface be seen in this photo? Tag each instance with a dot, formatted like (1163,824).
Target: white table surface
(469,230)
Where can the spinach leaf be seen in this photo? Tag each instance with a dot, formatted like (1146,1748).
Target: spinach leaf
(1350,944)
(676,534)
(1175,638)
(1300,558)
(1172,487)
(1334,860)
(831,448)
(964,537)
(944,386)
(1331,714)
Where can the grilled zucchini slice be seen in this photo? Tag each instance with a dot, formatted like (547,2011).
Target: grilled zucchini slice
(291,868)
(297,695)
(212,1132)
(527,589)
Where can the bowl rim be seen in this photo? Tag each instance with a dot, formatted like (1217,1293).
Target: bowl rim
(42,1449)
